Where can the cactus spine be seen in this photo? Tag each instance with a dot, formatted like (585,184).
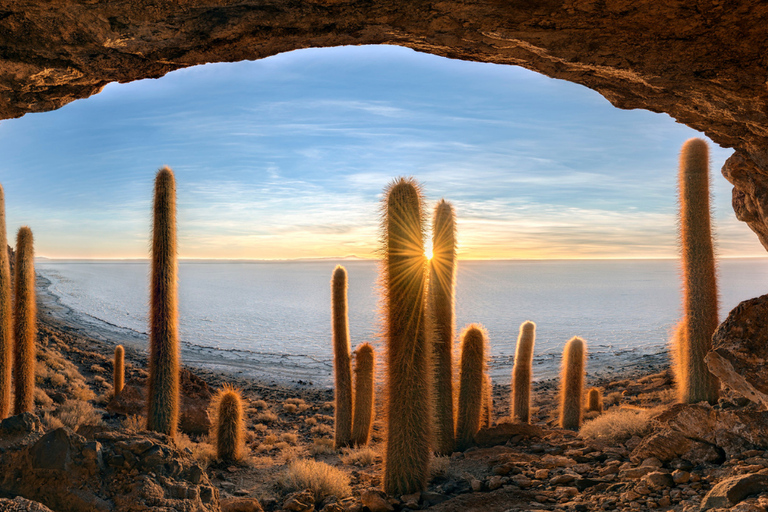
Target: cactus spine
(24,322)
(487,402)
(6,317)
(163,392)
(119,369)
(473,341)
(572,384)
(409,398)
(694,381)
(441,289)
(363,419)
(230,424)
(521,373)
(594,400)
(342,363)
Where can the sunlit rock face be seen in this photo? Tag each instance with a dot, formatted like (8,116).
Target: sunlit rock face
(704,63)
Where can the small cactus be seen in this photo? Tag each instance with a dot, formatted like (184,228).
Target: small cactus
(441,290)
(409,394)
(24,322)
(487,402)
(363,420)
(342,363)
(572,384)
(6,318)
(594,401)
(229,424)
(163,383)
(473,362)
(119,369)
(522,373)
(695,383)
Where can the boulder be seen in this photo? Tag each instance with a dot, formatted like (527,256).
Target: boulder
(739,356)
(19,504)
(115,470)
(195,399)
(502,432)
(700,433)
(732,490)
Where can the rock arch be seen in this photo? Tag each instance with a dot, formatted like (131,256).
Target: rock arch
(702,62)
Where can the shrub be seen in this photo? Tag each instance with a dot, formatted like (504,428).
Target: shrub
(290,408)
(322,446)
(617,425)
(265,417)
(364,456)
(74,413)
(322,479)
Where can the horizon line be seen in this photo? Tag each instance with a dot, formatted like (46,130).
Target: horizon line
(356,258)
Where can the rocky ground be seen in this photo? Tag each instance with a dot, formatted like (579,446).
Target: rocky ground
(84,450)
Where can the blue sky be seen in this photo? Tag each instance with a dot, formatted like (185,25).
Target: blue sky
(287,157)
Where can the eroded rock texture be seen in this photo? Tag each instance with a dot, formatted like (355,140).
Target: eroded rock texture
(703,62)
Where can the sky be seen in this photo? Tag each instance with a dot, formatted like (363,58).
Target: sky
(287,157)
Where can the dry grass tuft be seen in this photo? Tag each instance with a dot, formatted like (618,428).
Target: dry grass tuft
(322,446)
(134,423)
(617,425)
(259,404)
(363,456)
(290,408)
(289,438)
(41,398)
(322,479)
(294,401)
(310,421)
(51,422)
(74,413)
(321,429)
(265,417)
(260,427)
(269,440)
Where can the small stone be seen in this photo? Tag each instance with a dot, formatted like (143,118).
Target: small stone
(303,501)
(376,501)
(494,483)
(630,495)
(731,491)
(522,481)
(664,501)
(476,484)
(635,473)
(541,474)
(652,462)
(562,479)
(657,481)
(680,477)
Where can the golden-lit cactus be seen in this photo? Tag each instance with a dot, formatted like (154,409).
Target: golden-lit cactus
(118,366)
(572,384)
(695,383)
(163,383)
(522,373)
(441,290)
(594,400)
(229,427)
(487,419)
(342,363)
(364,370)
(6,317)
(471,384)
(409,394)
(24,322)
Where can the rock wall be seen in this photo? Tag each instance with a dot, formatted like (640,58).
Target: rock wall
(702,62)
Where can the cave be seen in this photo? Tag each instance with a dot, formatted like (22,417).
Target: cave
(702,63)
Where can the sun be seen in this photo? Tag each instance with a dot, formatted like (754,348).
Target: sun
(428,250)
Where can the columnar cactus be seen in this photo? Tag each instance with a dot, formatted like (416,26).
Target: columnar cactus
(229,425)
(572,384)
(594,400)
(363,420)
(119,370)
(694,381)
(409,394)
(24,322)
(6,317)
(163,392)
(473,363)
(522,373)
(441,289)
(341,358)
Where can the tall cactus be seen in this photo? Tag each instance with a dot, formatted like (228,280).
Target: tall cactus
(163,392)
(118,370)
(229,425)
(572,384)
(363,419)
(471,379)
(441,290)
(6,317)
(409,394)
(342,363)
(24,322)
(522,373)
(694,381)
